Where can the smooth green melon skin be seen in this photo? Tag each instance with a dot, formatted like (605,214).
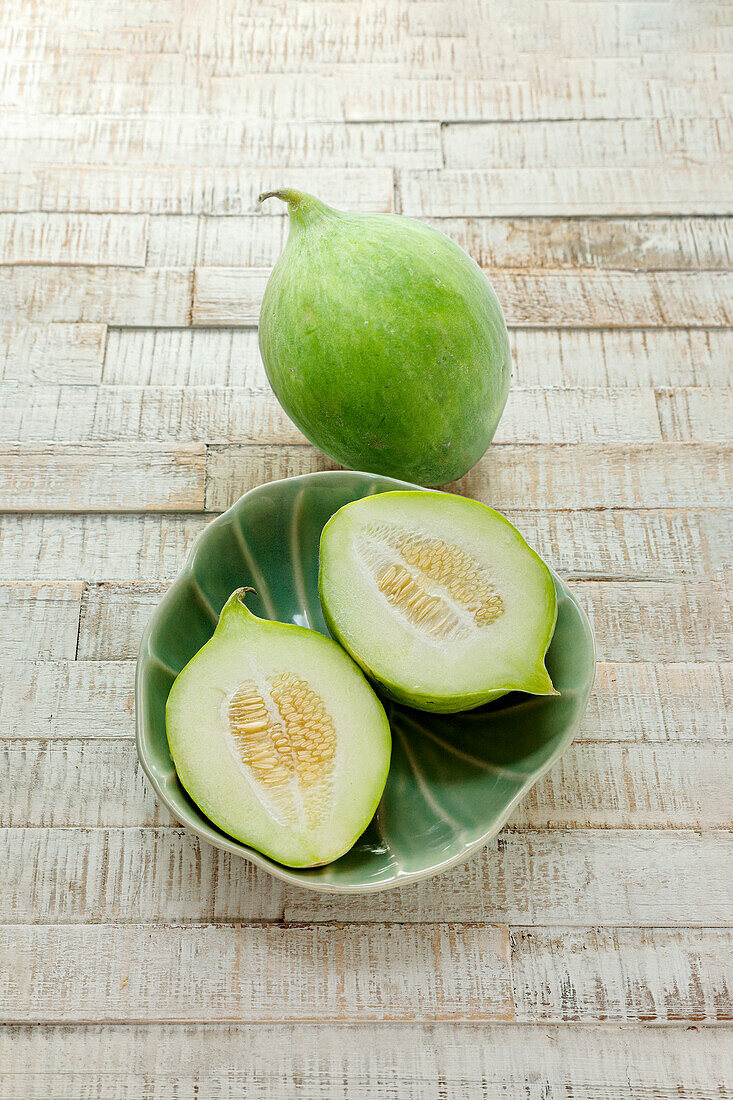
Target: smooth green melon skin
(339,618)
(384,342)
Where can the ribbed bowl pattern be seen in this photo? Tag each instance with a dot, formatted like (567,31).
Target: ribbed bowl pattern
(454,779)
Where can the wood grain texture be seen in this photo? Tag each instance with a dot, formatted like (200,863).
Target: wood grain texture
(258,975)
(522,85)
(56,353)
(568,191)
(228,1061)
(621,143)
(674,785)
(62,699)
(102,478)
(221,141)
(634,244)
(185,357)
(630,702)
(650,544)
(652,975)
(39,621)
(577,878)
(152,190)
(523,477)
(111,295)
(583,299)
(696,414)
(220,415)
(73,239)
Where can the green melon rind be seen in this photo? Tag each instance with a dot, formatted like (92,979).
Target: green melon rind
(384,342)
(538,683)
(190,782)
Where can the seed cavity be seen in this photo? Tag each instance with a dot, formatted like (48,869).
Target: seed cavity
(436,585)
(286,739)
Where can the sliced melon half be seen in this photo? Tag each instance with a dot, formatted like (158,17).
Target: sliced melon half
(438,598)
(278,738)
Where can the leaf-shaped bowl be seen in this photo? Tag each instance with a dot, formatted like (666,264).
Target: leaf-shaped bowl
(454,779)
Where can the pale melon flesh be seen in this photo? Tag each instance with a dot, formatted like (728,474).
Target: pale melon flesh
(278,738)
(438,598)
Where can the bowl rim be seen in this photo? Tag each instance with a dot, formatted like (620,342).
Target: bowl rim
(238,848)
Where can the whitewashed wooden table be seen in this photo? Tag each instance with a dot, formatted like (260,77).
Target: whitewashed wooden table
(577,148)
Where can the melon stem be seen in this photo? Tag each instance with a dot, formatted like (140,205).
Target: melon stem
(301,205)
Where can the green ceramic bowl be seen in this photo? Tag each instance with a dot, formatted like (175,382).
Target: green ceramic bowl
(454,779)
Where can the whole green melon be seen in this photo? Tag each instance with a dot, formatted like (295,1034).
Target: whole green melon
(384,342)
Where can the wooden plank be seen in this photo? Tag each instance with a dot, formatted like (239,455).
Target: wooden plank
(100,547)
(657,357)
(113,617)
(666,475)
(102,478)
(256,975)
(125,1062)
(114,295)
(665,785)
(95,239)
(181,50)
(697,415)
(173,239)
(119,794)
(576,88)
(39,620)
(63,699)
(152,190)
(131,98)
(234,415)
(634,244)
(567,191)
(540,357)
(580,299)
(127,414)
(228,296)
(628,877)
(618,143)
(608,544)
(654,975)
(660,702)
(185,140)
(186,357)
(120,876)
(70,354)
(664,621)
(315,43)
